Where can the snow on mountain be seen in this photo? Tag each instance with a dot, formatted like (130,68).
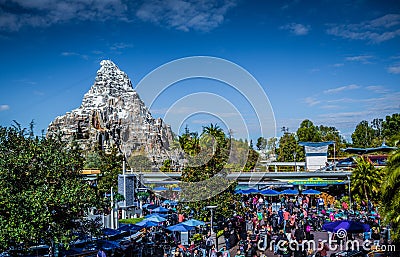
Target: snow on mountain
(112,114)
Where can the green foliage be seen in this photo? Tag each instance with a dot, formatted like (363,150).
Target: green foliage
(131,221)
(366,180)
(139,162)
(167,166)
(391,195)
(204,177)
(363,135)
(43,196)
(287,147)
(391,129)
(110,167)
(261,143)
(307,132)
(93,160)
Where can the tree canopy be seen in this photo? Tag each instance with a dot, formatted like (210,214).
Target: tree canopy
(42,194)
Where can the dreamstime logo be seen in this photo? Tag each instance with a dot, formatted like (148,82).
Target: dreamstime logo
(341,233)
(342,244)
(154,86)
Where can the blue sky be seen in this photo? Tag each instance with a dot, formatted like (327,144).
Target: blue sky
(333,62)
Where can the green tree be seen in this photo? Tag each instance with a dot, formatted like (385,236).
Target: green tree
(271,145)
(332,134)
(363,135)
(307,132)
(139,162)
(42,194)
(93,160)
(111,167)
(261,143)
(204,175)
(391,195)
(287,147)
(366,180)
(391,129)
(167,166)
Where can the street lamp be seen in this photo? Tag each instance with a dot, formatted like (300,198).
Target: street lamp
(350,207)
(294,155)
(211,207)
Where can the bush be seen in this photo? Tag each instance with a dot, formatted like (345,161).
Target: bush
(131,221)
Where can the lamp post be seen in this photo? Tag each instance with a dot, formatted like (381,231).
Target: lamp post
(350,207)
(294,155)
(211,207)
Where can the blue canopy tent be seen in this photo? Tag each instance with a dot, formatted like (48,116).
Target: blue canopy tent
(193,223)
(176,189)
(311,192)
(110,232)
(180,228)
(156,215)
(382,148)
(289,192)
(157,219)
(160,209)
(269,192)
(129,227)
(250,191)
(348,225)
(238,191)
(147,223)
(160,189)
(170,202)
(149,206)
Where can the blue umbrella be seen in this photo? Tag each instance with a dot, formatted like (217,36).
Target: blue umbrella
(238,191)
(311,192)
(269,192)
(177,189)
(156,215)
(160,189)
(160,209)
(147,223)
(149,206)
(129,227)
(110,232)
(250,191)
(193,223)
(180,228)
(289,192)
(157,219)
(349,225)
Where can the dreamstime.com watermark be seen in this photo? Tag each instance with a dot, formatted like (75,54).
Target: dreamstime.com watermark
(334,245)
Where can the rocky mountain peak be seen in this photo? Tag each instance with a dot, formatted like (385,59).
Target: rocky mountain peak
(112,114)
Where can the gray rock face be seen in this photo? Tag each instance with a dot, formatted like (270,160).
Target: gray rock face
(112,114)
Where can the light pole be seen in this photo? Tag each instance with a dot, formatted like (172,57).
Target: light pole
(294,155)
(211,207)
(350,207)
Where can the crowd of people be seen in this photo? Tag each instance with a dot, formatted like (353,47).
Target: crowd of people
(270,225)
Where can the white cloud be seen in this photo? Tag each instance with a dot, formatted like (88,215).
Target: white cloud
(4,107)
(360,58)
(340,89)
(377,89)
(311,101)
(83,56)
(374,31)
(15,14)
(338,65)
(395,69)
(297,29)
(121,45)
(185,15)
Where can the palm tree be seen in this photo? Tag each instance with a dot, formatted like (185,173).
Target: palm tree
(366,180)
(391,195)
